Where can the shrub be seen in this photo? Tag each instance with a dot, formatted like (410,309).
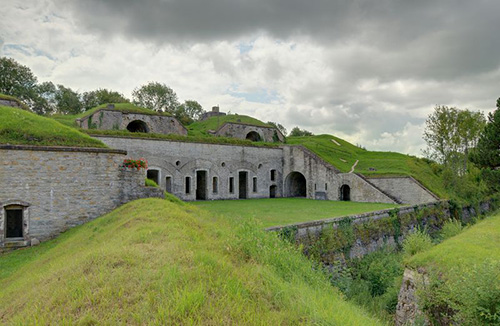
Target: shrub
(450,229)
(150,183)
(416,242)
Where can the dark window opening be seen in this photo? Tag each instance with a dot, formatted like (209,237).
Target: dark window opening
(314,186)
(254,184)
(231,185)
(138,126)
(168,184)
(345,193)
(14,223)
(201,185)
(242,184)
(187,183)
(326,186)
(272,191)
(153,175)
(273,175)
(215,185)
(253,136)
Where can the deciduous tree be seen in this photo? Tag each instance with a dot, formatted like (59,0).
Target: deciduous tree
(156,96)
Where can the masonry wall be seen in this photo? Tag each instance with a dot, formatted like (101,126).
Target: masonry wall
(63,187)
(237,130)
(405,189)
(114,119)
(180,160)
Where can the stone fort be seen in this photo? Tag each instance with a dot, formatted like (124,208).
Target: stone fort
(46,190)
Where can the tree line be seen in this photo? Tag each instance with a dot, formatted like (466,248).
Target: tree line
(48,98)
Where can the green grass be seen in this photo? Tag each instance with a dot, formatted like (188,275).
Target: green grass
(371,163)
(20,127)
(153,262)
(201,128)
(282,211)
(473,246)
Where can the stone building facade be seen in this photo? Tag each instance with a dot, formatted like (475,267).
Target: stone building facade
(250,132)
(111,119)
(46,190)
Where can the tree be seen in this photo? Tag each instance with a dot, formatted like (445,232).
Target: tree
(17,80)
(297,132)
(278,126)
(188,112)
(450,133)
(67,100)
(156,96)
(45,103)
(101,96)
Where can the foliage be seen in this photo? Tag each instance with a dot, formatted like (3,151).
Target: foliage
(297,132)
(188,112)
(101,96)
(278,126)
(67,100)
(155,262)
(450,229)
(136,164)
(450,133)
(416,242)
(467,187)
(156,96)
(150,183)
(20,127)
(17,80)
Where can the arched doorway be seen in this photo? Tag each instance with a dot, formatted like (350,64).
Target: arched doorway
(138,126)
(345,193)
(295,185)
(272,191)
(253,136)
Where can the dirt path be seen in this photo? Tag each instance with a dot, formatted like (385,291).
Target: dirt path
(354,165)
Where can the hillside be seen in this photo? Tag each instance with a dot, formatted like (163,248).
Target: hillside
(156,262)
(201,128)
(343,155)
(20,127)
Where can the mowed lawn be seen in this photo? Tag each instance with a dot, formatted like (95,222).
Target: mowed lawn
(283,211)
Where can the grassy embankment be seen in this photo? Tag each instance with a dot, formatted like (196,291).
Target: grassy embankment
(20,127)
(371,163)
(283,211)
(156,262)
(201,128)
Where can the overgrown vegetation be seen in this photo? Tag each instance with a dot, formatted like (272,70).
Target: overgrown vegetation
(20,127)
(155,262)
(150,183)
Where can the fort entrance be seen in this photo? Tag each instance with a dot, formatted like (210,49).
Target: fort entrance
(295,185)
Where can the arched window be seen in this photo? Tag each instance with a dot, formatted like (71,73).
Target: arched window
(138,126)
(253,136)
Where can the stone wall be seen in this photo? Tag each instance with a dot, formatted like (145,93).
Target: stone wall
(60,187)
(12,103)
(241,131)
(108,119)
(176,161)
(406,189)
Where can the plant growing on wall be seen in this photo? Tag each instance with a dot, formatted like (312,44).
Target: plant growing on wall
(136,164)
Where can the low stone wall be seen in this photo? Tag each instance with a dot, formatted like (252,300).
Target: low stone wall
(60,187)
(357,235)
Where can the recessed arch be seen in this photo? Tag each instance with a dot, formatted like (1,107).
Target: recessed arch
(253,136)
(138,126)
(345,193)
(296,185)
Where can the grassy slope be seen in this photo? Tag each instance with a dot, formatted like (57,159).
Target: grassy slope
(473,246)
(282,211)
(156,262)
(200,128)
(384,163)
(22,127)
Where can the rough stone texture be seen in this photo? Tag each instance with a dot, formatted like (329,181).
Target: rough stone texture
(113,119)
(178,160)
(240,130)
(12,103)
(407,309)
(64,187)
(406,189)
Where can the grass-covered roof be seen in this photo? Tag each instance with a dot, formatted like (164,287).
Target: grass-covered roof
(200,128)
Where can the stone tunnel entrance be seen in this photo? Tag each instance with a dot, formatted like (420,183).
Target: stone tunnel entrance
(295,185)
(253,136)
(138,126)
(345,193)
(201,185)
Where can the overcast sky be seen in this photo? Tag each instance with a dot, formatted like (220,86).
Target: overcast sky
(367,71)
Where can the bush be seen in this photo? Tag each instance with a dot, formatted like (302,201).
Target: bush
(450,229)
(150,183)
(416,242)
